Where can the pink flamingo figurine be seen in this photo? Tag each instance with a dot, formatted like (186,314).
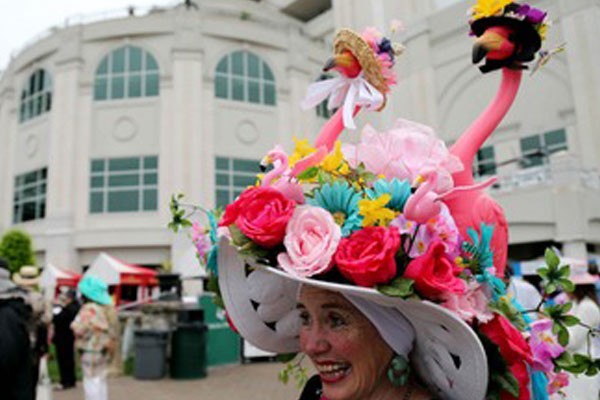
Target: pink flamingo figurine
(424,203)
(506,43)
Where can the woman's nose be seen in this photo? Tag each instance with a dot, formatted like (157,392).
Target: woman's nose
(313,341)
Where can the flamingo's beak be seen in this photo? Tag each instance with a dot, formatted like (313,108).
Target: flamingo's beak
(264,163)
(494,44)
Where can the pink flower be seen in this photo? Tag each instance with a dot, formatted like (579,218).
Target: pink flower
(544,345)
(471,305)
(557,381)
(201,239)
(261,213)
(407,151)
(434,274)
(311,239)
(367,257)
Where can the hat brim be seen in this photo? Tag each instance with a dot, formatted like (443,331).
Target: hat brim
(22,281)
(261,302)
(102,298)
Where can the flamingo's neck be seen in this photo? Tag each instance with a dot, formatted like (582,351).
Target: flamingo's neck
(473,138)
(277,171)
(332,129)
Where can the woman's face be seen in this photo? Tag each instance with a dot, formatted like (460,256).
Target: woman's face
(346,349)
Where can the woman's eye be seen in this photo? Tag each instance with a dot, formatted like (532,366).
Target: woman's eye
(304,318)
(336,320)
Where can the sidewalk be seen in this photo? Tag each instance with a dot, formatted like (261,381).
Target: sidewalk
(255,381)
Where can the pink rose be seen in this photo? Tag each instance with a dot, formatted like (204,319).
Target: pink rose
(434,273)
(261,213)
(367,257)
(473,304)
(311,238)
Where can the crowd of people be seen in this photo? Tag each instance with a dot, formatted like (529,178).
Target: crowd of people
(84,326)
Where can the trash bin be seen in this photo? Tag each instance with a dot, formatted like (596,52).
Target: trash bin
(150,354)
(188,351)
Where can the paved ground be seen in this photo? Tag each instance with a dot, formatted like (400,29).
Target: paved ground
(255,381)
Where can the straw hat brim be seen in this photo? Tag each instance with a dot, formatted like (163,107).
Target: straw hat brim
(261,302)
(347,39)
(24,281)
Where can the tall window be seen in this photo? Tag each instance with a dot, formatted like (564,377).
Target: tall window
(485,164)
(36,96)
(124,184)
(233,176)
(243,76)
(30,196)
(126,72)
(536,148)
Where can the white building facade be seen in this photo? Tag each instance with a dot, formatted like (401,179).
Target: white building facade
(100,123)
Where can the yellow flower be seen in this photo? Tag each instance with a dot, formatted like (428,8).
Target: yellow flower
(543,30)
(374,211)
(334,162)
(302,150)
(488,8)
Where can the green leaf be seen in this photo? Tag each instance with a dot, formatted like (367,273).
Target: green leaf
(564,271)
(308,174)
(569,320)
(508,382)
(563,335)
(566,284)
(552,259)
(550,288)
(399,287)
(285,357)
(543,272)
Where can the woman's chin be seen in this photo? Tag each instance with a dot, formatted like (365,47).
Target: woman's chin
(335,384)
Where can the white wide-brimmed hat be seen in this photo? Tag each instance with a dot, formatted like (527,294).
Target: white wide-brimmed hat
(261,301)
(28,275)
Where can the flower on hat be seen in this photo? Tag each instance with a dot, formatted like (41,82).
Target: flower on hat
(342,202)
(544,345)
(399,192)
(374,211)
(311,239)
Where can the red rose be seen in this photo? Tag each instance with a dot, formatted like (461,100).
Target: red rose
(367,257)
(514,349)
(513,346)
(261,213)
(434,273)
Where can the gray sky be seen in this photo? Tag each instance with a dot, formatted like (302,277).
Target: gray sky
(22,20)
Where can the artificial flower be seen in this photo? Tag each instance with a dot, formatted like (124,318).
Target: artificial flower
(334,162)
(398,190)
(472,305)
(201,240)
(302,149)
(521,374)
(510,341)
(434,273)
(367,257)
(261,213)
(488,8)
(374,211)
(557,381)
(310,241)
(544,345)
(342,202)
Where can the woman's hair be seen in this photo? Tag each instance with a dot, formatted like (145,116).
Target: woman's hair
(587,290)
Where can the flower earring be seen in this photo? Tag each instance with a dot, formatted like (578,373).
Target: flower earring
(399,371)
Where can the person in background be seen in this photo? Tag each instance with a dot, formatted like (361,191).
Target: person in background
(63,338)
(521,290)
(15,362)
(585,307)
(94,336)
(28,279)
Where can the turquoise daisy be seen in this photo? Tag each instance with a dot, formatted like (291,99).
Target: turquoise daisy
(342,202)
(399,190)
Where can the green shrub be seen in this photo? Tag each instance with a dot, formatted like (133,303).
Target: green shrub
(17,248)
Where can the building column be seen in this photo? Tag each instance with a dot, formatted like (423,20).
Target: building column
(8,118)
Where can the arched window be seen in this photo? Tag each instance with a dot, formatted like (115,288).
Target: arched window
(36,96)
(126,72)
(243,76)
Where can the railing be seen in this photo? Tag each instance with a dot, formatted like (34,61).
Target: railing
(548,175)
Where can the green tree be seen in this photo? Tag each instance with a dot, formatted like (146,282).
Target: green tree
(17,248)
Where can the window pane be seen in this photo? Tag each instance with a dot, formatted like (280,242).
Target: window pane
(150,178)
(40,81)
(269,94)
(238,89)
(151,64)
(223,65)
(100,87)
(558,137)
(222,198)
(253,92)
(126,200)
(253,64)
(222,163)
(150,162)
(124,180)
(221,90)
(117,87)
(97,165)
(152,84)
(103,67)
(135,59)
(135,86)
(222,179)
(243,181)
(530,143)
(237,61)
(150,199)
(28,210)
(97,181)
(96,202)
(246,165)
(118,60)
(267,74)
(123,164)
(48,97)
